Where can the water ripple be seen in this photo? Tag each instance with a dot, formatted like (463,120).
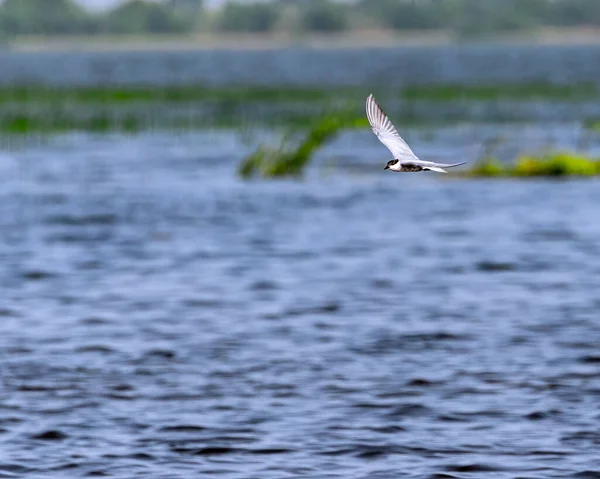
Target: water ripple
(164,324)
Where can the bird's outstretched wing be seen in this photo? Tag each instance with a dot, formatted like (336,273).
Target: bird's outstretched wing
(387,133)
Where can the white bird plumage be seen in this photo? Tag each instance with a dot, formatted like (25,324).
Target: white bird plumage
(404,158)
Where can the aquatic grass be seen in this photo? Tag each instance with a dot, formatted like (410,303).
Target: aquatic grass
(291,161)
(170,93)
(592,124)
(487,167)
(550,164)
(32,108)
(97,122)
(118,94)
(557,164)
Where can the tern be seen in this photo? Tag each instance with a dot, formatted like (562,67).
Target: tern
(404,158)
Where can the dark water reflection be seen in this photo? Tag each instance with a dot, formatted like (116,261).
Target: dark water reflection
(160,318)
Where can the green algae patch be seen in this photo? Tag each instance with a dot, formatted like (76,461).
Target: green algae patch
(554,164)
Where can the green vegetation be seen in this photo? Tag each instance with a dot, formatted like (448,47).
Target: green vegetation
(592,124)
(291,161)
(247,18)
(34,108)
(465,18)
(68,17)
(399,15)
(51,17)
(553,164)
(138,17)
(21,124)
(323,16)
(517,91)
(37,94)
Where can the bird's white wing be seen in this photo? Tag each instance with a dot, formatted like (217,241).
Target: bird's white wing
(387,133)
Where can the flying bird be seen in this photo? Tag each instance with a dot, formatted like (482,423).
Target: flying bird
(404,158)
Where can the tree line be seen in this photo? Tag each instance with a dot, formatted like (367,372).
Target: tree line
(464,17)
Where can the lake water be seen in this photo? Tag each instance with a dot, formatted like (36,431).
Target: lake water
(162,319)
(383,67)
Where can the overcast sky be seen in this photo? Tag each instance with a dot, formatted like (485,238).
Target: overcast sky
(104,4)
(98,4)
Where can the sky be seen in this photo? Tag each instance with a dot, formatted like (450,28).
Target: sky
(105,4)
(98,4)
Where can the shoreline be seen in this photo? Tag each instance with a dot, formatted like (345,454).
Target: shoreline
(349,40)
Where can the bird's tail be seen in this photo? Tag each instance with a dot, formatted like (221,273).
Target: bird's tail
(452,165)
(439,167)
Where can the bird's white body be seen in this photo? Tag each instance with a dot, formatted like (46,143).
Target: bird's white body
(404,158)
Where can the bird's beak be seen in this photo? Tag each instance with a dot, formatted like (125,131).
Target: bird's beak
(386,167)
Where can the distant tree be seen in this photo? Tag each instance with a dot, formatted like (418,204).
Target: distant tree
(323,16)
(141,16)
(190,9)
(476,18)
(539,9)
(252,17)
(575,12)
(48,17)
(189,4)
(404,14)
